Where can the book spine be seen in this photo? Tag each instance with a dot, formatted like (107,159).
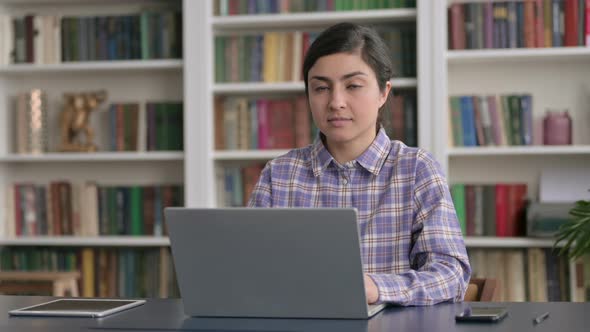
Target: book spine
(468,121)
(458,196)
(501,210)
(571,22)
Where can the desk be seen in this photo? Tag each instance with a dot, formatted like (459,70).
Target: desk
(165,315)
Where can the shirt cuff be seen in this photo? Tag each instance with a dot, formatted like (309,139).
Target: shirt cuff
(388,287)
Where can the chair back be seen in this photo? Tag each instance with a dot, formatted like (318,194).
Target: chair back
(481,290)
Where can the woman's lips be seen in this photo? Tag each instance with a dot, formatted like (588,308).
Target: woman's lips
(339,122)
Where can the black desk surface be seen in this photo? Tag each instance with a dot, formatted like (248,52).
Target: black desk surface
(168,315)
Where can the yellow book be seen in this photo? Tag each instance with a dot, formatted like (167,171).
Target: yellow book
(87,272)
(270,61)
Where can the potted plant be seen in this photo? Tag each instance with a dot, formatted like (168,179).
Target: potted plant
(576,232)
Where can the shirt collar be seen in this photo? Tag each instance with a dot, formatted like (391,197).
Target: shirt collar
(372,159)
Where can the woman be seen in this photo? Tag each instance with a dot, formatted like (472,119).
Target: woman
(412,249)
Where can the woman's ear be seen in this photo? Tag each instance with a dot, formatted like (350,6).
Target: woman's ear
(383,94)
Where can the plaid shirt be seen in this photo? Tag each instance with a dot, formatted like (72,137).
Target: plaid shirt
(411,241)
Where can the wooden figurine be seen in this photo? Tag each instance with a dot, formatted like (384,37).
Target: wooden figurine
(75,120)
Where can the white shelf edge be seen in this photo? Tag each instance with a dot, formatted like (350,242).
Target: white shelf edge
(94,156)
(257,87)
(507,242)
(84,66)
(247,155)
(541,150)
(312,18)
(82,241)
(286,87)
(161,241)
(556,53)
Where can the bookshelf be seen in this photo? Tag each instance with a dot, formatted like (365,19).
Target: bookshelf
(207,89)
(139,80)
(556,77)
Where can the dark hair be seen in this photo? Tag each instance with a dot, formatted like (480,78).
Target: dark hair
(350,38)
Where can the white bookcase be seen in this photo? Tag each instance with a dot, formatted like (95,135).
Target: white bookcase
(202,157)
(555,77)
(124,81)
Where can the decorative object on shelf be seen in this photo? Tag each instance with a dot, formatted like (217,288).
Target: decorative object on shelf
(31,122)
(557,128)
(544,219)
(75,120)
(576,232)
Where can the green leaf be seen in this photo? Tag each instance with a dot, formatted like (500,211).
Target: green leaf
(576,232)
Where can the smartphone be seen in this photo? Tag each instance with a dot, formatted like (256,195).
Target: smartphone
(482,314)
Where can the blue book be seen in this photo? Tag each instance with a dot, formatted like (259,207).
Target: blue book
(468,121)
(526,119)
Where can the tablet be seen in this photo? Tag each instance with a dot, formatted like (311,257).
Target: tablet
(77,307)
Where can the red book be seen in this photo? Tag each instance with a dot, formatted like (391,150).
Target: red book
(502,209)
(56,208)
(29,39)
(302,122)
(518,200)
(529,25)
(587,22)
(250,175)
(148,198)
(120,127)
(281,117)
(571,22)
(234,7)
(457,27)
(18,215)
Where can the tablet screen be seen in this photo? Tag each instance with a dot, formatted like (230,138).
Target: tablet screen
(79,305)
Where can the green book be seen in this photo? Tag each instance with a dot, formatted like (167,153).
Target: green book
(515,110)
(144,30)
(458,195)
(507,120)
(219,59)
(456,122)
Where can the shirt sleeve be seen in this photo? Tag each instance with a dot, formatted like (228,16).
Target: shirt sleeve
(261,194)
(440,269)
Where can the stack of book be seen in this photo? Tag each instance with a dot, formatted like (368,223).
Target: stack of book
(47,39)
(491,120)
(519,24)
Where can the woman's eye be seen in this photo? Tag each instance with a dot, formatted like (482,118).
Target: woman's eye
(320,88)
(354,86)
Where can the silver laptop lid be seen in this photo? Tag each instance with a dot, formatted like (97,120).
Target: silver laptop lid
(256,262)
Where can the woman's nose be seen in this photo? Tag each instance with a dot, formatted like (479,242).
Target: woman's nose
(337,99)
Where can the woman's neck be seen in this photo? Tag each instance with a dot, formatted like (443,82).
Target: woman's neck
(344,152)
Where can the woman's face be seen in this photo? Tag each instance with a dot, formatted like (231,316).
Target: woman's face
(344,98)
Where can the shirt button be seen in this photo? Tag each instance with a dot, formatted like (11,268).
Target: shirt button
(345,181)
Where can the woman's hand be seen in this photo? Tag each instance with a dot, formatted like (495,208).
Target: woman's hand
(371,290)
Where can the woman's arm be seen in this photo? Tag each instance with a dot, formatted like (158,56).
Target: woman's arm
(438,258)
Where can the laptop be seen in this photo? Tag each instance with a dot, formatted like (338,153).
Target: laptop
(269,262)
